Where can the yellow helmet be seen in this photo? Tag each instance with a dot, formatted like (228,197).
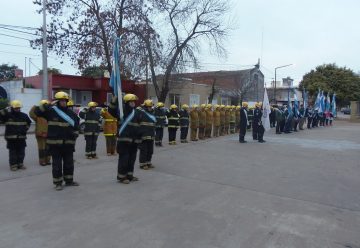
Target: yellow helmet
(222,106)
(42,102)
(160,105)
(217,106)
(233,106)
(16,104)
(194,106)
(148,103)
(257,104)
(61,95)
(173,106)
(209,105)
(70,103)
(92,104)
(203,105)
(245,104)
(130,98)
(185,106)
(227,107)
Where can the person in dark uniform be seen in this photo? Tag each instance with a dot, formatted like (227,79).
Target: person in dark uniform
(173,125)
(147,134)
(256,121)
(17,124)
(261,129)
(63,129)
(160,123)
(309,116)
(272,117)
(243,122)
(288,120)
(296,119)
(184,123)
(128,137)
(278,117)
(92,129)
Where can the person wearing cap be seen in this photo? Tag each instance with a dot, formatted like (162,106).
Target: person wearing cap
(256,121)
(244,122)
(92,129)
(194,122)
(173,125)
(202,121)
(17,124)
(63,129)
(209,121)
(41,129)
(147,134)
(160,115)
(217,121)
(128,137)
(184,123)
(110,127)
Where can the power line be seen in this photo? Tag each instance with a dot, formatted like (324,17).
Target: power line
(6,44)
(19,53)
(21,27)
(19,31)
(17,37)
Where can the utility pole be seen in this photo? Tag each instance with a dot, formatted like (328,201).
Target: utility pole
(25,67)
(44,55)
(29,67)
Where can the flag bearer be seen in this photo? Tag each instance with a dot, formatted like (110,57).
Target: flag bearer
(110,128)
(194,122)
(63,129)
(92,128)
(147,134)
(184,123)
(160,123)
(173,124)
(41,129)
(17,124)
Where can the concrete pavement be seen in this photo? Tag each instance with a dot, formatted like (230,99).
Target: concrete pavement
(296,190)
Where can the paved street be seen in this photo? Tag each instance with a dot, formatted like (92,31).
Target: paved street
(297,190)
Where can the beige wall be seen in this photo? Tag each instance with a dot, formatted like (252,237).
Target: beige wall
(355,111)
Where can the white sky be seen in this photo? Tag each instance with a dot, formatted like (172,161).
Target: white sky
(305,33)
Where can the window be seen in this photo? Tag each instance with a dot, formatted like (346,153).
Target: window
(174,99)
(194,99)
(225,101)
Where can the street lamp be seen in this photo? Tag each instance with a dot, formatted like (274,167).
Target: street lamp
(275,79)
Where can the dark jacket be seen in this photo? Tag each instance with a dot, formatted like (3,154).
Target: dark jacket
(147,124)
(257,115)
(16,124)
(173,118)
(184,118)
(92,121)
(160,117)
(243,118)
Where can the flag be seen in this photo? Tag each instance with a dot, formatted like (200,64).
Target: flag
(327,106)
(305,98)
(322,102)
(265,119)
(317,101)
(115,80)
(289,105)
(296,104)
(333,105)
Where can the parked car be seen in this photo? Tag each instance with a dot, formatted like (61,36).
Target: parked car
(82,121)
(346,111)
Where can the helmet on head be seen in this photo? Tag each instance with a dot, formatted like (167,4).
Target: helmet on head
(209,105)
(227,107)
(16,104)
(245,104)
(61,95)
(222,106)
(233,106)
(130,98)
(148,103)
(92,104)
(217,106)
(185,106)
(42,102)
(173,106)
(195,106)
(238,107)
(70,103)
(257,104)
(160,105)
(203,105)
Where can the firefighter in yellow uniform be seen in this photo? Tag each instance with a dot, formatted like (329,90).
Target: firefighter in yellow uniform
(217,122)
(202,121)
(41,129)
(237,118)
(209,121)
(227,119)
(110,127)
(222,120)
(194,122)
(232,119)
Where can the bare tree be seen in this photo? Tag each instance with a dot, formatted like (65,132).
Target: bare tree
(84,30)
(214,91)
(189,25)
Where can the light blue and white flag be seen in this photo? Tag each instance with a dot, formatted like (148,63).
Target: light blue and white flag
(333,105)
(265,119)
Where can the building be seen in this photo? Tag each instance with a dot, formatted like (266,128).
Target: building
(227,87)
(283,91)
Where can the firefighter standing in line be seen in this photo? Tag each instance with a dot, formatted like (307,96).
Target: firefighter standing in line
(237,118)
(173,123)
(256,121)
(209,121)
(244,122)
(184,123)
(146,134)
(92,129)
(160,123)
(63,128)
(216,117)
(222,120)
(110,128)
(17,124)
(128,137)
(227,119)
(194,122)
(41,129)
(232,119)
(202,122)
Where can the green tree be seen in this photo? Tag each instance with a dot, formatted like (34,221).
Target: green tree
(93,71)
(334,79)
(7,71)
(50,70)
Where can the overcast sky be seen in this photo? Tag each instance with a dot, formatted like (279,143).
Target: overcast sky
(305,33)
